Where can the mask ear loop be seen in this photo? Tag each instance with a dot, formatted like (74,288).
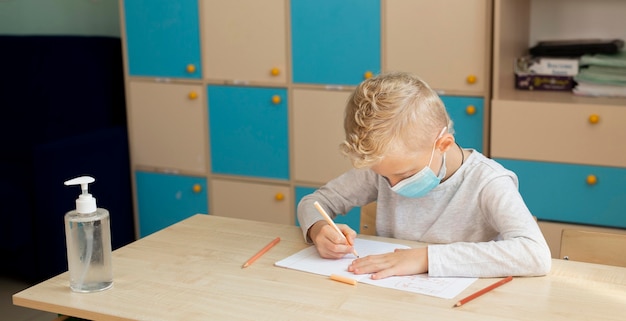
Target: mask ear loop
(443,131)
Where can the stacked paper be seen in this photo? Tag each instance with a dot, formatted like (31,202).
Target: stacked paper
(602,75)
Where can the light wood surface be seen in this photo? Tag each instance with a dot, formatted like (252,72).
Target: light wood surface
(594,247)
(192,271)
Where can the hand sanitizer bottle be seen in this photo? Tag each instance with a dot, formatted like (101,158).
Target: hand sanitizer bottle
(88,238)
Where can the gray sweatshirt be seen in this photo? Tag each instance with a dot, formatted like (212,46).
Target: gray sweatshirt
(476,222)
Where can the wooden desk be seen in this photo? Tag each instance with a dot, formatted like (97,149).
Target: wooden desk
(192,271)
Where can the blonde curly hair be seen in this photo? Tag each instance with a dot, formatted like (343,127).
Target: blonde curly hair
(392,112)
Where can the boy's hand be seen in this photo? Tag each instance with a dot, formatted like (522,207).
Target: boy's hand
(328,242)
(399,262)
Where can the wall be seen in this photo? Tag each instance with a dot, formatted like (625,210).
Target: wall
(60,17)
(576,19)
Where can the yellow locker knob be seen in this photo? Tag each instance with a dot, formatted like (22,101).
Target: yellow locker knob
(594,119)
(276,99)
(275,71)
(191,68)
(592,179)
(197,188)
(279,196)
(471,79)
(470,110)
(193,95)
(368,75)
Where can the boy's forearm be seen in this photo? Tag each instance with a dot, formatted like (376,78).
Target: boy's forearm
(314,230)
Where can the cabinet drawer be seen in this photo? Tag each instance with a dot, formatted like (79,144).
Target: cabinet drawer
(593,195)
(165,199)
(166,126)
(249,131)
(554,132)
(251,201)
(318,132)
(467,113)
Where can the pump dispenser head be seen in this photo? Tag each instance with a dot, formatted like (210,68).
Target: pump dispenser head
(85,203)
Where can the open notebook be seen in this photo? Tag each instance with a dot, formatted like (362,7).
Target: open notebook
(308,260)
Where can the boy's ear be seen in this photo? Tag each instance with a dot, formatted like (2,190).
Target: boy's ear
(445,142)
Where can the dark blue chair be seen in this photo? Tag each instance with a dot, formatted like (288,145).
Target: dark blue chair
(63,115)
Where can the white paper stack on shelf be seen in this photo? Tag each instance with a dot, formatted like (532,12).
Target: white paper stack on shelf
(602,75)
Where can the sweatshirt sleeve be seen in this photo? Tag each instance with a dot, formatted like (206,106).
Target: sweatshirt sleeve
(356,187)
(520,249)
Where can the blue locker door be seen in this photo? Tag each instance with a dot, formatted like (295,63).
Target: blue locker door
(467,114)
(165,199)
(560,192)
(335,42)
(163,38)
(249,131)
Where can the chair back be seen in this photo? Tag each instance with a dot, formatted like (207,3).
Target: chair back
(368,219)
(593,247)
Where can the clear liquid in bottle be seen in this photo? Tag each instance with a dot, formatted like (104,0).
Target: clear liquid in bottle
(88,238)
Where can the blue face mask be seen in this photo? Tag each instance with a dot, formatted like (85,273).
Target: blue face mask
(423,181)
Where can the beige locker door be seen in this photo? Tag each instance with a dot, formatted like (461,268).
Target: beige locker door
(318,131)
(166,124)
(251,201)
(244,40)
(443,42)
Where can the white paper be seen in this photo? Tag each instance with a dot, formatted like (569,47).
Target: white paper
(308,260)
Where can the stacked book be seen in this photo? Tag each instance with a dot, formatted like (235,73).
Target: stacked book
(558,66)
(602,75)
(545,73)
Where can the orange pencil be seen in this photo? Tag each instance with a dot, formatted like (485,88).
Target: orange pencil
(331,223)
(261,252)
(343,279)
(483,291)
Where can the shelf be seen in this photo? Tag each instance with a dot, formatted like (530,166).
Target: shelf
(556,97)
(519,24)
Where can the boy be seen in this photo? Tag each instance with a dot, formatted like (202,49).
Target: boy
(428,189)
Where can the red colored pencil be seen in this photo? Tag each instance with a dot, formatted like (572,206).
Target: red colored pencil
(261,252)
(483,291)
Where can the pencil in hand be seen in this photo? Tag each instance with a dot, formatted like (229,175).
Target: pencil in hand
(331,223)
(483,291)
